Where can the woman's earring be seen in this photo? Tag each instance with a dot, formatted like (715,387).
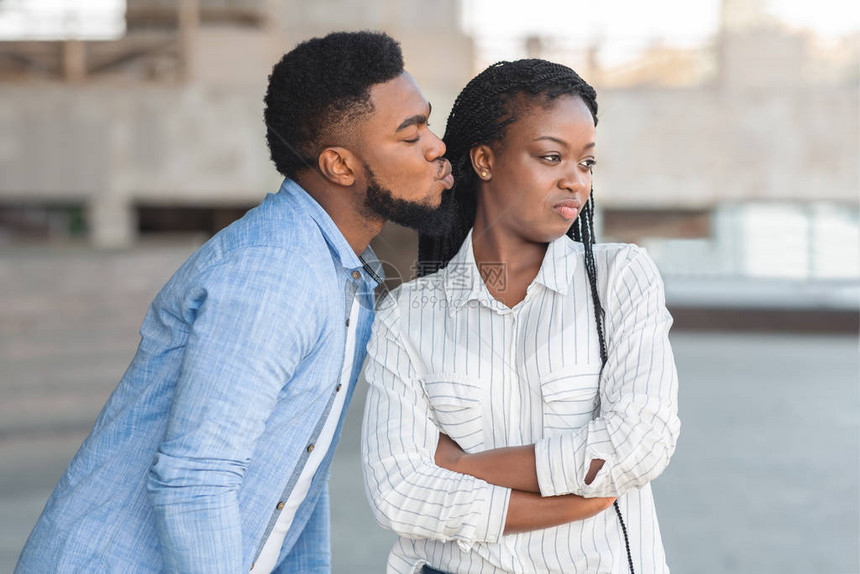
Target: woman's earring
(484,174)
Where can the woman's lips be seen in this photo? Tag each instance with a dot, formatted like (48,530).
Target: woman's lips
(569,208)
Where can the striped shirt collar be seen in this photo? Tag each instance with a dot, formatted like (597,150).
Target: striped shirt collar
(333,236)
(463,280)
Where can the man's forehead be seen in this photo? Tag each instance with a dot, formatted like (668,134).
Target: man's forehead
(396,100)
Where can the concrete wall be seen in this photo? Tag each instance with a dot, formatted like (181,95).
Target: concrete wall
(660,148)
(112,147)
(202,142)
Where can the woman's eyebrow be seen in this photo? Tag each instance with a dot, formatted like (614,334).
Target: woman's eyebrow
(552,139)
(562,142)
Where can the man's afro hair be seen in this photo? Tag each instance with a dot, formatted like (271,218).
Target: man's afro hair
(321,86)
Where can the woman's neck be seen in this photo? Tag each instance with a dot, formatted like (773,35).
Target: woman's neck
(514,260)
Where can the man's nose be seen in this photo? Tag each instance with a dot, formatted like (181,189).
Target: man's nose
(435,149)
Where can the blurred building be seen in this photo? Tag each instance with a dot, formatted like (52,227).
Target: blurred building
(737,163)
(161,128)
(739,159)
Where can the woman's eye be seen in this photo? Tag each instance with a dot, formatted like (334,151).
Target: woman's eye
(588,164)
(413,140)
(552,157)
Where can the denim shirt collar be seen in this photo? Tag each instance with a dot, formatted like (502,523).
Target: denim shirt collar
(333,236)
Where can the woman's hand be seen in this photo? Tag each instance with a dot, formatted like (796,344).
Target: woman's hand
(527,510)
(448,453)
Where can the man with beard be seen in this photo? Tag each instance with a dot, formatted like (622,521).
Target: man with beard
(212,455)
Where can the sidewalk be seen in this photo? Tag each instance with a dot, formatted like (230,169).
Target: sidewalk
(766,477)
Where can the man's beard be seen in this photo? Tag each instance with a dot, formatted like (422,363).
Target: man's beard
(425,219)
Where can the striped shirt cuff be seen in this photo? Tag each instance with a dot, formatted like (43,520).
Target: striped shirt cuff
(562,460)
(493,527)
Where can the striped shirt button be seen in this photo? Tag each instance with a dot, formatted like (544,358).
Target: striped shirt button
(356,275)
(311,447)
(337,389)
(280,505)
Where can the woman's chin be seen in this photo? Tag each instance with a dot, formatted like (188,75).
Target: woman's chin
(547,233)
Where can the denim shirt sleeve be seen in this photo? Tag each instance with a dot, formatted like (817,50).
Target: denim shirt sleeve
(252,319)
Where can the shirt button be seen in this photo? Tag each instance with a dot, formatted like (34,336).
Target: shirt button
(347,322)
(356,275)
(310,447)
(281,505)
(253,564)
(337,389)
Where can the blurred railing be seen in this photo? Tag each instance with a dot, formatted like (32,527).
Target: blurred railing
(609,64)
(145,13)
(771,266)
(155,44)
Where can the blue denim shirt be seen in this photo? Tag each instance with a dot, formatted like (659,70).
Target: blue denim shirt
(209,428)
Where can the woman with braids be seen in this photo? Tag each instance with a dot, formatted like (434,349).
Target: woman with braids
(523,392)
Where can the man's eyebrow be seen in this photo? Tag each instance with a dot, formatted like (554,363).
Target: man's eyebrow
(416,120)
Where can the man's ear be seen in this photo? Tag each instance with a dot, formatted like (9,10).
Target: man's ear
(482,161)
(336,165)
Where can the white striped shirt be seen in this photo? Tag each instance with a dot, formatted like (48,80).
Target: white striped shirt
(446,356)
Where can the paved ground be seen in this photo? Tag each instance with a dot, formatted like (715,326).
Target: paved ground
(766,477)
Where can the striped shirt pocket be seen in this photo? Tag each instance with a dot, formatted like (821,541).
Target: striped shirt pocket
(456,404)
(569,398)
